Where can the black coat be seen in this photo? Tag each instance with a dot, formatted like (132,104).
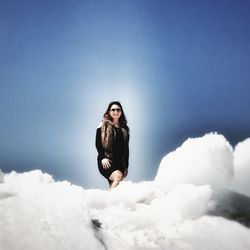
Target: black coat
(123,156)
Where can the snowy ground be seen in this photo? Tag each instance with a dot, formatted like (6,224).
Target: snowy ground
(170,212)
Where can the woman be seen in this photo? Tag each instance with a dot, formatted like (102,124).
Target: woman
(112,138)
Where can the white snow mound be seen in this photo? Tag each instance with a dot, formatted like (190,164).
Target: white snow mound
(206,160)
(241,181)
(169,213)
(39,213)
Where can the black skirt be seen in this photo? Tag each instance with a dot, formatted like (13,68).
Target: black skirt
(116,164)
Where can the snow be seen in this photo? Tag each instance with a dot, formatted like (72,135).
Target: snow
(200,161)
(1,176)
(39,213)
(169,212)
(241,182)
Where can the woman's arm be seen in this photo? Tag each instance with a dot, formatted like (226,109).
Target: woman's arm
(127,153)
(98,144)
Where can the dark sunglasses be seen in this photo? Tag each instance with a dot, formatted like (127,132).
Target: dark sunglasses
(118,110)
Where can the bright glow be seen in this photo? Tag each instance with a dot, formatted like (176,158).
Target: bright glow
(89,113)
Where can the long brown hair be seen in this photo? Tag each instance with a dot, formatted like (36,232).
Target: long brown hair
(122,120)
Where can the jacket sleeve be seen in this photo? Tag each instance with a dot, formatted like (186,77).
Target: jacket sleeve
(98,144)
(127,154)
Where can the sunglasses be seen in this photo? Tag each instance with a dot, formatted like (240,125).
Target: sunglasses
(118,110)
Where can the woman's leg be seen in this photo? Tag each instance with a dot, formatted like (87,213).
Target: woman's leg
(115,177)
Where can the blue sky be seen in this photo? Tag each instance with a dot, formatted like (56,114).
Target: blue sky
(180,69)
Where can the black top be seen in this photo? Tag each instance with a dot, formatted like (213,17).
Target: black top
(119,144)
(120,148)
(119,155)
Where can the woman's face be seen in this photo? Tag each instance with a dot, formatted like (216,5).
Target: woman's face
(115,111)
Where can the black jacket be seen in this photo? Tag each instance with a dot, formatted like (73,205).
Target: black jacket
(104,154)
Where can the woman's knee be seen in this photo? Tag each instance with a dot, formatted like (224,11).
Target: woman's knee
(117,175)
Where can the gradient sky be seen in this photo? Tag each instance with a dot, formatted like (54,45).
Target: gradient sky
(180,68)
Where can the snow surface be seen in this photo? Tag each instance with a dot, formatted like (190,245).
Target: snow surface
(199,161)
(40,213)
(241,182)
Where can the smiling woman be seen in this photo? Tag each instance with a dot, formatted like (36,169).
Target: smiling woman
(112,137)
(180,69)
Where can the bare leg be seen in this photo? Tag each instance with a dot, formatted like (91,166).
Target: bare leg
(115,177)
(110,184)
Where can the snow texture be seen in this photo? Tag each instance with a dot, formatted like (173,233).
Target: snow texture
(199,161)
(1,176)
(241,182)
(40,213)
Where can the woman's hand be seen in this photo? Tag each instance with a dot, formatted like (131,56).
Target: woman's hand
(125,172)
(106,163)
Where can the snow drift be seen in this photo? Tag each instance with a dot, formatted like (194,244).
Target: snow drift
(40,213)
(199,161)
(241,181)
